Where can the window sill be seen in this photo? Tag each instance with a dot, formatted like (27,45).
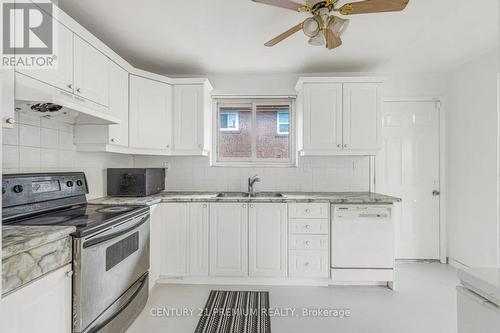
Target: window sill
(287,164)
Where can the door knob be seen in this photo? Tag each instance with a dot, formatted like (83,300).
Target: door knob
(436,193)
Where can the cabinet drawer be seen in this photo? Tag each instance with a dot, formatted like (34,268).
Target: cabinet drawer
(309,210)
(308,264)
(308,242)
(308,226)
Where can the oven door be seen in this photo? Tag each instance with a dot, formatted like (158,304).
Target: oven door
(106,265)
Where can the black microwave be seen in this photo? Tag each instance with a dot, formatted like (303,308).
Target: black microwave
(135,182)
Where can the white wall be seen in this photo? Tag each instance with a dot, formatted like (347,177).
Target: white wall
(41,145)
(472,121)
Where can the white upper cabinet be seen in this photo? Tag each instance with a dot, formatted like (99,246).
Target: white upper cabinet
(62,75)
(150,113)
(267,237)
(339,116)
(361,116)
(229,239)
(118,104)
(91,72)
(189,119)
(322,117)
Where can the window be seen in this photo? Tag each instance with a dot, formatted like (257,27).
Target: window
(229,121)
(283,122)
(256,132)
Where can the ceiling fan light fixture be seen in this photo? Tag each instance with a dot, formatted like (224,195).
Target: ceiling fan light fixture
(318,40)
(338,25)
(312,26)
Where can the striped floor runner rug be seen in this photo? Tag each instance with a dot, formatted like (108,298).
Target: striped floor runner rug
(235,312)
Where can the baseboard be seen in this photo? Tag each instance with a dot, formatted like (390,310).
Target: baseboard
(320,282)
(456,264)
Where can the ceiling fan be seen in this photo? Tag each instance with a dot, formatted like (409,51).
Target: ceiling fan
(326,29)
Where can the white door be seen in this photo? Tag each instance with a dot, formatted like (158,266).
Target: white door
(156,243)
(408,167)
(91,72)
(361,116)
(150,113)
(228,239)
(267,239)
(118,104)
(188,118)
(322,117)
(174,238)
(198,218)
(41,306)
(62,75)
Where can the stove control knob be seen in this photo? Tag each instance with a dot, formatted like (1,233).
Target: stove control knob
(79,182)
(69,183)
(18,188)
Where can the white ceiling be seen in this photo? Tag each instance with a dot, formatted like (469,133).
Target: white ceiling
(185,37)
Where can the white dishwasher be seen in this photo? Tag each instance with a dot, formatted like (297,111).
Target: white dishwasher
(362,243)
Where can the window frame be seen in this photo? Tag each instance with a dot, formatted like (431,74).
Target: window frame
(253,161)
(278,123)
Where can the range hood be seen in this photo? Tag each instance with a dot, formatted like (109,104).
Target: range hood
(40,99)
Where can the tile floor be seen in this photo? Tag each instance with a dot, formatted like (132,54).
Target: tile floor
(424,302)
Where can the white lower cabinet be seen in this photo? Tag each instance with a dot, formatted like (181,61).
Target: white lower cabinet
(156,242)
(174,235)
(229,239)
(308,264)
(475,313)
(198,224)
(42,306)
(267,240)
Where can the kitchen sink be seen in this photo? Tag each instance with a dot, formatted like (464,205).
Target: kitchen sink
(248,195)
(232,195)
(267,195)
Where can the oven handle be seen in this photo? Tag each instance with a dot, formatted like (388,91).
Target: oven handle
(120,310)
(103,239)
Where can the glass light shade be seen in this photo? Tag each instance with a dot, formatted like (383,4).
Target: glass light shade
(338,25)
(318,40)
(311,26)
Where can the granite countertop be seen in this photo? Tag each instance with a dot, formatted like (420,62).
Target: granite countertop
(29,252)
(331,197)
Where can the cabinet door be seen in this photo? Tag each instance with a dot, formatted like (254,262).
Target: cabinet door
(188,118)
(228,239)
(174,254)
(267,239)
(41,306)
(91,80)
(361,116)
(62,75)
(322,117)
(118,104)
(150,113)
(156,241)
(7,98)
(198,239)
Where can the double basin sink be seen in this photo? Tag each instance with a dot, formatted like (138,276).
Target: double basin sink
(236,195)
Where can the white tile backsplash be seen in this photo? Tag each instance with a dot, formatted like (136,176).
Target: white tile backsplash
(313,174)
(43,145)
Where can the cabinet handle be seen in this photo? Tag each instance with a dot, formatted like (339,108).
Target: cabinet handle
(251,206)
(200,146)
(244,206)
(114,140)
(69,273)
(10,121)
(168,146)
(307,243)
(308,210)
(306,264)
(307,226)
(70,86)
(78,90)
(339,146)
(345,145)
(205,206)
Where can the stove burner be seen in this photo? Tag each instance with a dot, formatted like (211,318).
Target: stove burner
(114,209)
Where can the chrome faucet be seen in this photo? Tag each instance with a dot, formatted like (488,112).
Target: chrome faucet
(251,181)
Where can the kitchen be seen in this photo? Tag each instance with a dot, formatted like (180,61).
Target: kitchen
(151,188)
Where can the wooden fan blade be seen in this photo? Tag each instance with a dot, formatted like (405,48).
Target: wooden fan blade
(287,4)
(284,35)
(332,39)
(373,6)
